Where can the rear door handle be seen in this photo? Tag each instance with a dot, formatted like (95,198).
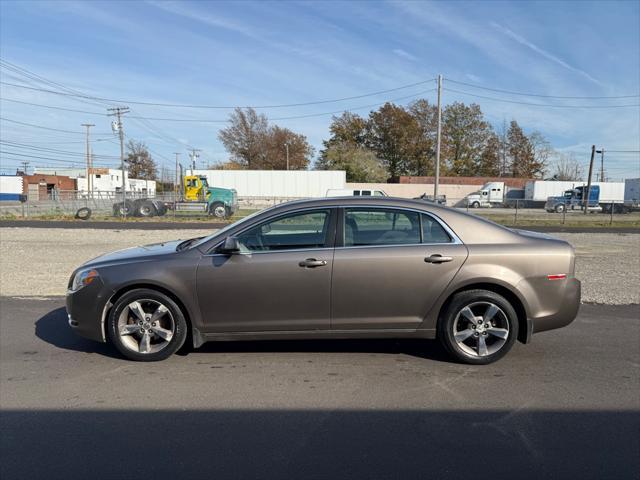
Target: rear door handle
(312,263)
(437,258)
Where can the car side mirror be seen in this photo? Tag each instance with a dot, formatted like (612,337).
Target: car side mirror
(230,246)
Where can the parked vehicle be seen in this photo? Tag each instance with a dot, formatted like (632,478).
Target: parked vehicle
(574,199)
(356,267)
(440,199)
(494,194)
(536,192)
(196,196)
(348,192)
(631,202)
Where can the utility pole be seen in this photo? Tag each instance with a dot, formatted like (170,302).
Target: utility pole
(194,156)
(89,165)
(437,179)
(177,179)
(601,152)
(118,112)
(286,145)
(25,166)
(586,199)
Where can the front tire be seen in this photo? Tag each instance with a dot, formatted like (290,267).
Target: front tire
(478,327)
(560,208)
(218,210)
(146,325)
(475,205)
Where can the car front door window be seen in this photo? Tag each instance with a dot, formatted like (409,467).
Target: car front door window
(306,230)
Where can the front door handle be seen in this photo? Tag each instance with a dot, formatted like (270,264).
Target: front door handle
(312,263)
(437,258)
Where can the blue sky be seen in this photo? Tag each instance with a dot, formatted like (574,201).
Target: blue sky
(268,53)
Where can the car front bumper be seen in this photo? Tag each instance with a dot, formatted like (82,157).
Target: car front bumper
(86,309)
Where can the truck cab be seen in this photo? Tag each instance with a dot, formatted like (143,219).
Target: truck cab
(491,193)
(198,195)
(574,198)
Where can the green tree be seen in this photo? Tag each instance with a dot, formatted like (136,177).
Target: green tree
(359,163)
(465,134)
(395,136)
(426,116)
(140,163)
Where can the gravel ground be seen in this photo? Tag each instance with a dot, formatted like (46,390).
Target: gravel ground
(38,262)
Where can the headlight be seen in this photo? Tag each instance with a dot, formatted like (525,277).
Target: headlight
(83,278)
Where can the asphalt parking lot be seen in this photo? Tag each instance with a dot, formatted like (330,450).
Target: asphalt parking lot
(565,406)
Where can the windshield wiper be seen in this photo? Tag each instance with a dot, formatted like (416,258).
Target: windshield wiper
(181,246)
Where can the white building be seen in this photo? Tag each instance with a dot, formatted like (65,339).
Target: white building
(275,183)
(107,180)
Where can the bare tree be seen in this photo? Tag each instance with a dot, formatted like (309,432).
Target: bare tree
(141,165)
(567,167)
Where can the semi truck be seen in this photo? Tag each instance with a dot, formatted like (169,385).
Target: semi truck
(494,194)
(574,198)
(537,192)
(195,196)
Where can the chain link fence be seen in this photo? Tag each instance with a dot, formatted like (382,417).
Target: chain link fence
(517,212)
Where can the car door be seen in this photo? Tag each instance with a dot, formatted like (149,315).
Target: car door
(280,280)
(389,267)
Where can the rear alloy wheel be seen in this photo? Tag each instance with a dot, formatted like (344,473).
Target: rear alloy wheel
(146,325)
(146,209)
(479,327)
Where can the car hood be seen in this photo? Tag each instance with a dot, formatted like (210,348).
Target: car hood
(141,253)
(554,199)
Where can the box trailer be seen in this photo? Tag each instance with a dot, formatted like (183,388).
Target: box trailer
(536,192)
(631,201)
(11,188)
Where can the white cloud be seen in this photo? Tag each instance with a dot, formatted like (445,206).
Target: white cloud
(523,41)
(404,54)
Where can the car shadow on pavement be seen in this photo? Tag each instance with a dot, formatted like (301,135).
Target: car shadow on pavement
(421,348)
(54,329)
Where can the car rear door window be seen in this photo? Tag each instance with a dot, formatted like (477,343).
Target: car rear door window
(433,232)
(364,227)
(306,230)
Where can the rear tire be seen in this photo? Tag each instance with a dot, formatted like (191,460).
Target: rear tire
(119,209)
(146,208)
(464,332)
(146,326)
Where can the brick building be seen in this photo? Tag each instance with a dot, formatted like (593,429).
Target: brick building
(48,187)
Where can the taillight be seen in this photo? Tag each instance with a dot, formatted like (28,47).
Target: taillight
(557,276)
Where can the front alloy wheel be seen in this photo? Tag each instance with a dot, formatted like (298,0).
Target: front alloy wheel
(146,325)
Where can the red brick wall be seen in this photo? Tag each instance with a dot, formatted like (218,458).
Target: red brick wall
(511,182)
(62,183)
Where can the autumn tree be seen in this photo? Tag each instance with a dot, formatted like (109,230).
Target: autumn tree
(359,163)
(465,134)
(140,163)
(254,144)
(490,161)
(244,138)
(276,143)
(522,153)
(542,153)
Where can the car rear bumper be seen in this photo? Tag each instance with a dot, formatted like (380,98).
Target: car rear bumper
(85,309)
(567,312)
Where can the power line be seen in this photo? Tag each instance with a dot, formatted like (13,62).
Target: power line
(538,104)
(52,150)
(220,107)
(542,96)
(5,119)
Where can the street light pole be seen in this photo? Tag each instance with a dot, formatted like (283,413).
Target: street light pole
(286,145)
